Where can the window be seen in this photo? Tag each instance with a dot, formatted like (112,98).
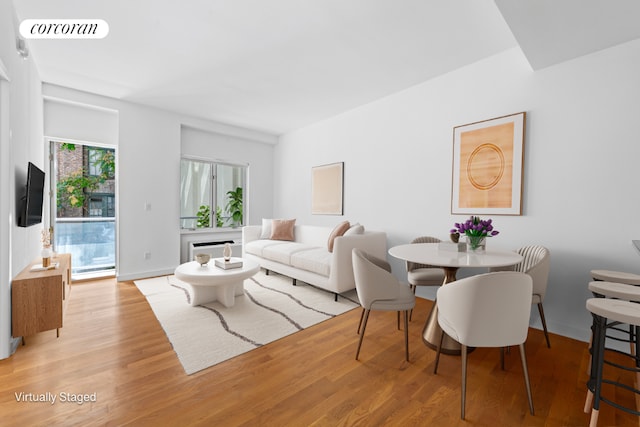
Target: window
(85,180)
(102,205)
(99,161)
(211,194)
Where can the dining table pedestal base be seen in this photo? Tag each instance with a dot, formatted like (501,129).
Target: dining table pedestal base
(432,332)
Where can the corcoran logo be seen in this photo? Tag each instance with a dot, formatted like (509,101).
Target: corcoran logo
(64,28)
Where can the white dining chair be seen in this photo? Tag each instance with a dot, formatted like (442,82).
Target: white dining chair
(535,263)
(423,274)
(378,289)
(487,310)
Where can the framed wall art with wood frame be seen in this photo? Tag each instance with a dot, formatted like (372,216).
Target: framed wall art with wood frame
(487,166)
(327,189)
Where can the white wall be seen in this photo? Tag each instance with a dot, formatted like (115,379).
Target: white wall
(21,139)
(581,165)
(148,176)
(80,122)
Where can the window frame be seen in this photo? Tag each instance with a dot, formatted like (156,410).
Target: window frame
(213,196)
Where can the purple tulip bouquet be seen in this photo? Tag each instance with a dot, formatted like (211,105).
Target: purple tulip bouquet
(476,230)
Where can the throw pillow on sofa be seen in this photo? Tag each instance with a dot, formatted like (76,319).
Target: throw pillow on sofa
(265,233)
(282,229)
(338,231)
(355,229)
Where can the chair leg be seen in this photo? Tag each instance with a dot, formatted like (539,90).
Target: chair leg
(523,357)
(361,317)
(502,358)
(463,394)
(435,368)
(544,324)
(595,380)
(364,326)
(588,402)
(398,320)
(413,288)
(590,351)
(406,334)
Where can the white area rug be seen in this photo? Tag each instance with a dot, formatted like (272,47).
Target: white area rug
(271,308)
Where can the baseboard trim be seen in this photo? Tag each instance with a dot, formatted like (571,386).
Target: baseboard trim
(143,275)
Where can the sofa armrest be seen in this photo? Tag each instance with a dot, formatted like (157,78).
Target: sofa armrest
(249,234)
(371,242)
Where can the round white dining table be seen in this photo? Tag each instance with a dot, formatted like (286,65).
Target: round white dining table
(450,261)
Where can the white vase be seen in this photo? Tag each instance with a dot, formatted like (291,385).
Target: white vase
(226,252)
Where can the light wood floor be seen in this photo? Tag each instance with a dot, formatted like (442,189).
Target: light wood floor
(112,345)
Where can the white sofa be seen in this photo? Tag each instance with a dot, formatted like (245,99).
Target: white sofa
(308,259)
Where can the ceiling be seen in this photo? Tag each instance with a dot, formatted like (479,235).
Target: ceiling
(278,65)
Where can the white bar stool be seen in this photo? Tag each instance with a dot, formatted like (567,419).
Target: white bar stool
(624,292)
(616,290)
(604,310)
(616,276)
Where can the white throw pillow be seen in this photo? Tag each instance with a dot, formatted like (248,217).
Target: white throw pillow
(266,228)
(355,229)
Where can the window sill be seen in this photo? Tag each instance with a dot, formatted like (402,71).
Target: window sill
(187,231)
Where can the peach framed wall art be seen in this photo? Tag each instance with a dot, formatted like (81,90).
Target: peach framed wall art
(327,189)
(487,166)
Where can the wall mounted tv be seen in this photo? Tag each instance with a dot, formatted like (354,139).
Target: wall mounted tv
(31,211)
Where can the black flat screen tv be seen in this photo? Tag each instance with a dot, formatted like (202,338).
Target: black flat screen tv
(31,212)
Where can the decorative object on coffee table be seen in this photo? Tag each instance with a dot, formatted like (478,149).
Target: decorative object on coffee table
(228,264)
(226,252)
(203,259)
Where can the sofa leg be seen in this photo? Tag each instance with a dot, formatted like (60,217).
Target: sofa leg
(336,297)
(295,282)
(266,271)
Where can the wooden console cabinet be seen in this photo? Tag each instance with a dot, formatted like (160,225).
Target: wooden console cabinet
(37,297)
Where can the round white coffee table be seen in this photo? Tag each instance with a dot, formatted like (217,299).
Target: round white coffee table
(209,283)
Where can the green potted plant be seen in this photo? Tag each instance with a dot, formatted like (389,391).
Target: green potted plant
(204,216)
(234,206)
(219,218)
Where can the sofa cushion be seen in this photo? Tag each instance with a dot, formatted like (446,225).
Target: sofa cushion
(316,260)
(256,247)
(282,252)
(282,229)
(338,231)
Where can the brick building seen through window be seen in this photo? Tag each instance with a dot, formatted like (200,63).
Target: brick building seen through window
(85,181)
